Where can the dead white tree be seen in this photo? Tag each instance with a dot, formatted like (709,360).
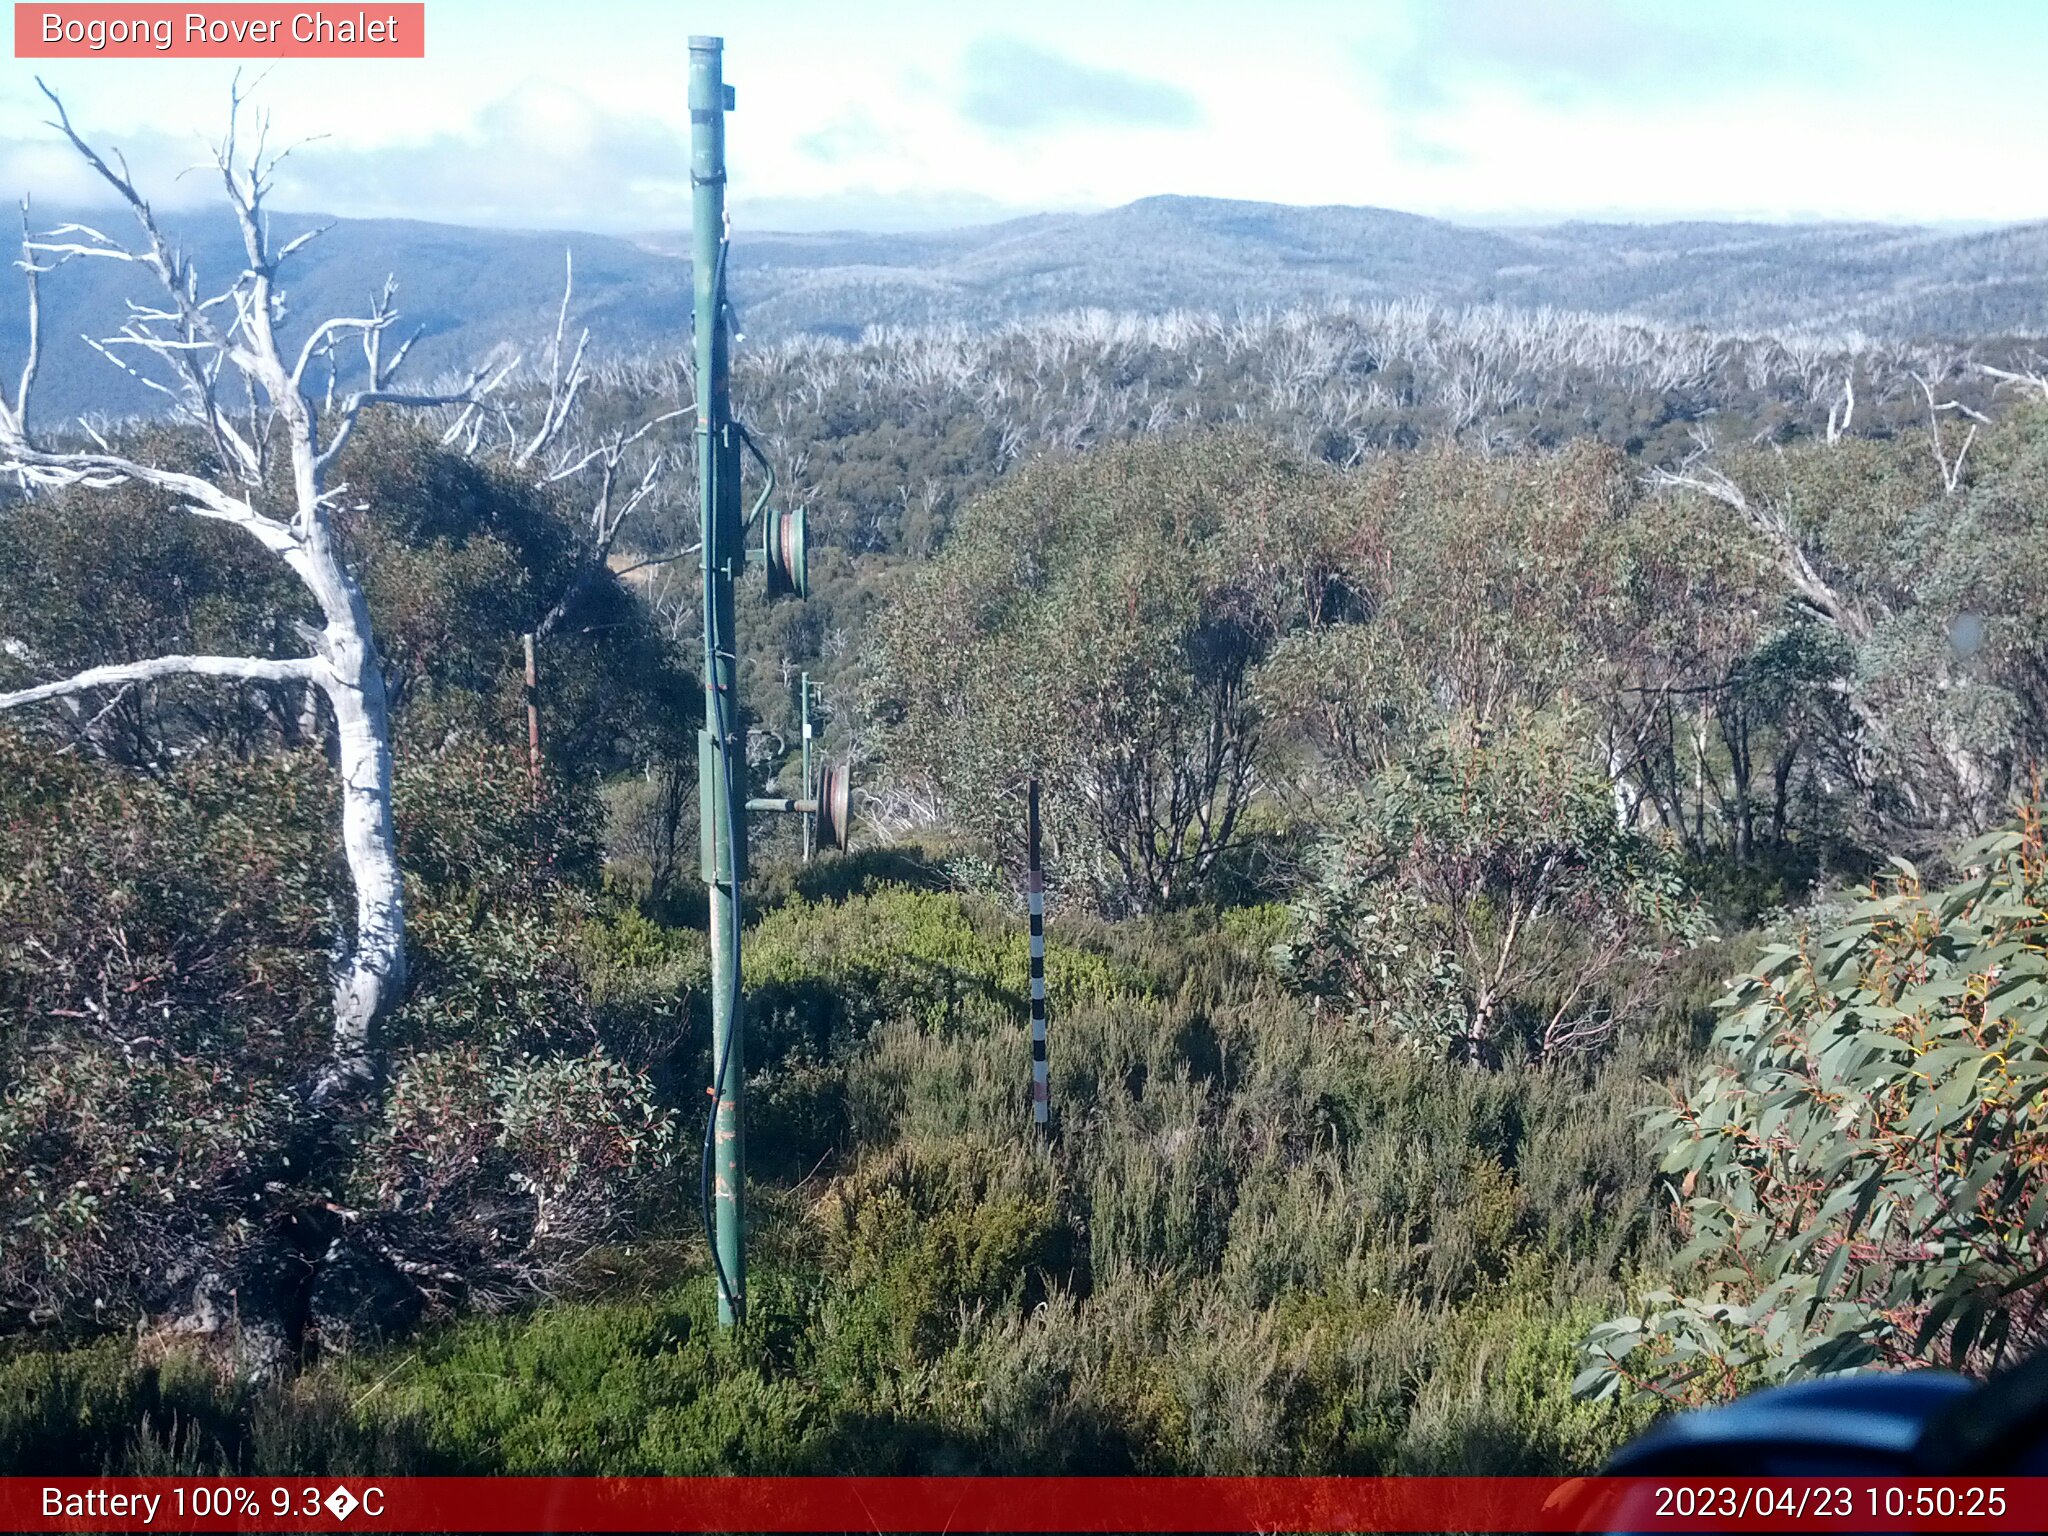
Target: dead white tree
(1839,416)
(1973,777)
(2033,378)
(218,360)
(1813,590)
(1951,469)
(540,435)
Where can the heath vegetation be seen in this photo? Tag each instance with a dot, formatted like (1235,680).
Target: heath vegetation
(1543,832)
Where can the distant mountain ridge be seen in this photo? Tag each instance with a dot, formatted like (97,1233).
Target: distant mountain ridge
(1208,253)
(470,289)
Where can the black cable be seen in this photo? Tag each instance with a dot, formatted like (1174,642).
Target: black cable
(724,1056)
(713,648)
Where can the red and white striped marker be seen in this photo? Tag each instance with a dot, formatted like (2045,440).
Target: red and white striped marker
(1041,1086)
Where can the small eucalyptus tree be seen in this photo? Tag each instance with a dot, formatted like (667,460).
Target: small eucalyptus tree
(274,436)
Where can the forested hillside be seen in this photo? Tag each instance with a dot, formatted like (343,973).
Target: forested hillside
(470,289)
(1165,253)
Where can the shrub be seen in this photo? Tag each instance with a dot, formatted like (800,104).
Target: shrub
(162,987)
(1866,1179)
(164,995)
(1103,618)
(922,1235)
(833,987)
(90,1410)
(486,1172)
(1484,894)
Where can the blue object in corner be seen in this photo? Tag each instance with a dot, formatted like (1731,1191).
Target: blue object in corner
(1869,1422)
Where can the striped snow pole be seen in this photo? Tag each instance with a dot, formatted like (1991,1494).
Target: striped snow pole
(1041,1086)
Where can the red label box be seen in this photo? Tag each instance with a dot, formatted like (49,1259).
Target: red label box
(239,31)
(1075,1506)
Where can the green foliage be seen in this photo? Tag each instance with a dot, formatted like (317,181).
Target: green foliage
(825,980)
(89,577)
(469,815)
(1803,654)
(95,1408)
(1832,653)
(155,940)
(172,899)
(1499,1401)
(1257,1245)
(164,994)
(927,1237)
(1098,622)
(1482,894)
(1867,1178)
(1903,668)
(506,1166)
(456,559)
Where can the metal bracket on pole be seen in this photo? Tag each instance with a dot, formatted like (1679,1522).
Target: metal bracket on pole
(810,790)
(831,806)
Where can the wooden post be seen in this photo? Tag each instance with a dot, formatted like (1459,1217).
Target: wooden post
(532,716)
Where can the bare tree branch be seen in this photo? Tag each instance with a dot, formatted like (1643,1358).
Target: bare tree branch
(17,409)
(248,669)
(563,387)
(2033,377)
(1951,472)
(1838,425)
(1812,588)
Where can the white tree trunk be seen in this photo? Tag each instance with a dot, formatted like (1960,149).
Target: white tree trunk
(372,973)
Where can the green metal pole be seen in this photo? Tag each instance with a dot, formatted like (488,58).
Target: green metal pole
(721,779)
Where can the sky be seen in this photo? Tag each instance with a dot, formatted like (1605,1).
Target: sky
(931,113)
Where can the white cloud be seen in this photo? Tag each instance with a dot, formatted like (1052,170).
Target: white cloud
(1012,85)
(1461,107)
(542,155)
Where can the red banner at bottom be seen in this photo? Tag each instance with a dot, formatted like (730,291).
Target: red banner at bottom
(1023,1504)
